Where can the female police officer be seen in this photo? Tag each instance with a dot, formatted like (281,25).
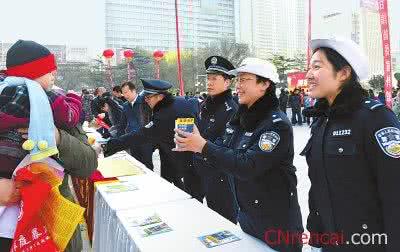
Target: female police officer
(257,155)
(353,155)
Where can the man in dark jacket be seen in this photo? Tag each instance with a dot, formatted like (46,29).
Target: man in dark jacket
(160,130)
(295,104)
(95,102)
(135,114)
(283,100)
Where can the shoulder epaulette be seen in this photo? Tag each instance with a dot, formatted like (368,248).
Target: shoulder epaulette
(372,104)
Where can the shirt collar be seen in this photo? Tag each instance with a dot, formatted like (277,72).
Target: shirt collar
(132,103)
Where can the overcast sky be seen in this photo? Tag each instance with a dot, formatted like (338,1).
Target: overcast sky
(66,22)
(81,22)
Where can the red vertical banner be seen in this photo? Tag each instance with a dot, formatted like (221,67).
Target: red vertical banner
(387,58)
(180,78)
(309,35)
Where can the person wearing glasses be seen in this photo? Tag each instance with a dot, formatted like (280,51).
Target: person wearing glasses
(166,108)
(257,155)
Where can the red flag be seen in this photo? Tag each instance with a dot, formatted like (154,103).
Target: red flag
(31,233)
(387,58)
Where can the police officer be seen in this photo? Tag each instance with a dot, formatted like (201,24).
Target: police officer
(353,155)
(160,131)
(215,111)
(257,154)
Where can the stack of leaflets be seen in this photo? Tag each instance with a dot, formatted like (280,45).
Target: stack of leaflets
(117,167)
(217,239)
(185,124)
(148,226)
(118,187)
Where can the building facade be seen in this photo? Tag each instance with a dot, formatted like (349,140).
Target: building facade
(273,26)
(64,54)
(151,24)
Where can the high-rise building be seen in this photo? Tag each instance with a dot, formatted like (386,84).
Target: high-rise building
(77,54)
(151,24)
(359,21)
(273,26)
(371,38)
(63,53)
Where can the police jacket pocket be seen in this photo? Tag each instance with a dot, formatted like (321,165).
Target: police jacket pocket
(340,148)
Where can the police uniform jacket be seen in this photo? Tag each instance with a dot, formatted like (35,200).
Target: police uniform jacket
(160,132)
(215,112)
(354,167)
(257,153)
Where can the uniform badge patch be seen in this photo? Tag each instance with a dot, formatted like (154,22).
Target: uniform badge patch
(389,141)
(149,125)
(229,130)
(268,141)
(214,60)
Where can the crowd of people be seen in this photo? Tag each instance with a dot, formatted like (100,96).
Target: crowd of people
(239,156)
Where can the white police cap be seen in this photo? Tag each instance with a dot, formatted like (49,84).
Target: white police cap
(349,50)
(258,67)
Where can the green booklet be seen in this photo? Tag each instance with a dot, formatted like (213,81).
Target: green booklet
(143,221)
(154,229)
(118,187)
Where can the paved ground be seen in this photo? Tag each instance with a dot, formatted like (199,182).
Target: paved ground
(301,135)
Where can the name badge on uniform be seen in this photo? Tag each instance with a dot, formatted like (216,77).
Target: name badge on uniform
(149,125)
(248,134)
(344,132)
(389,141)
(229,130)
(268,141)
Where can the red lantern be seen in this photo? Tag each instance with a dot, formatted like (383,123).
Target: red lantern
(158,55)
(108,53)
(129,54)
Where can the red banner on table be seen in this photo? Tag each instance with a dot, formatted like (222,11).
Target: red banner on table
(387,58)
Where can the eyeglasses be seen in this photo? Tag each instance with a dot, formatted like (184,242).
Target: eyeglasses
(148,97)
(242,80)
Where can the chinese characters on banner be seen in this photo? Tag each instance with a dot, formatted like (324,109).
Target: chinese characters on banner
(384,20)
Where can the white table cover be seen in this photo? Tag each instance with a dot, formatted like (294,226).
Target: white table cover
(152,190)
(188,219)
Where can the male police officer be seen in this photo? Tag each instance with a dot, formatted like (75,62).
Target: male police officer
(160,131)
(216,110)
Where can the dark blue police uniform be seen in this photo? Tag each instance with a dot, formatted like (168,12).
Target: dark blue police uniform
(215,112)
(257,154)
(354,168)
(160,131)
(134,117)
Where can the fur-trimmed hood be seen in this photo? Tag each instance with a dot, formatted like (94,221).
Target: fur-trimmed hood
(249,118)
(345,103)
(211,103)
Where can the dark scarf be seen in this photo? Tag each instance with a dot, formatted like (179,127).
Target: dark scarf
(345,103)
(249,118)
(168,99)
(211,103)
